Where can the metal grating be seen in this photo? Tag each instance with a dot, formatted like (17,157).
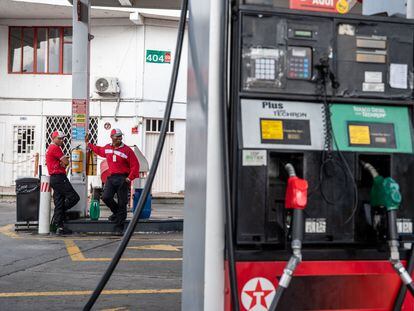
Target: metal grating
(64,124)
(24,137)
(23,148)
(93,130)
(154,126)
(58,123)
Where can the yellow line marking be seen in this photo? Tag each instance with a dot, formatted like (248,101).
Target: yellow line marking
(88,292)
(8,230)
(157,247)
(74,251)
(76,255)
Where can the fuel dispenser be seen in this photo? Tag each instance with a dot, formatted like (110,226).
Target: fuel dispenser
(332,97)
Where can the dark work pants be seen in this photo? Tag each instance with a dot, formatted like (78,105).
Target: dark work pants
(116,184)
(64,197)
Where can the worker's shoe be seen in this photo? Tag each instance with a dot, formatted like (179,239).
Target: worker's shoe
(112,217)
(118,229)
(121,217)
(63,231)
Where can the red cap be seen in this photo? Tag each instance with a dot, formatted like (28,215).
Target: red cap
(116,132)
(58,134)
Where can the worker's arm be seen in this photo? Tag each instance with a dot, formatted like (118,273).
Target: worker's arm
(58,154)
(100,151)
(133,165)
(64,161)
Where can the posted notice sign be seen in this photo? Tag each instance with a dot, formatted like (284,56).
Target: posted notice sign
(331,6)
(79,124)
(160,57)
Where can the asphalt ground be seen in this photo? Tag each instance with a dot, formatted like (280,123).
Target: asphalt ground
(59,273)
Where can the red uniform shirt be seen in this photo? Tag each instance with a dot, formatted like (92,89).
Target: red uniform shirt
(53,156)
(121,160)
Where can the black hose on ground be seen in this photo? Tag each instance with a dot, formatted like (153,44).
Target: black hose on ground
(131,227)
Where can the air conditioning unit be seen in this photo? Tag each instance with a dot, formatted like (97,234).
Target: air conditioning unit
(106,85)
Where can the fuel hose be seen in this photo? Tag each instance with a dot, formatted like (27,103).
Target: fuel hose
(131,227)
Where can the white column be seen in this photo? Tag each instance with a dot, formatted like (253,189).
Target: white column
(214,247)
(80,93)
(44,205)
(410,9)
(203,264)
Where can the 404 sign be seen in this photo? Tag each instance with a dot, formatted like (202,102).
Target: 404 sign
(160,57)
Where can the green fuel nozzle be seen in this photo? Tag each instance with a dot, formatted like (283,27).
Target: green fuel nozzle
(385,191)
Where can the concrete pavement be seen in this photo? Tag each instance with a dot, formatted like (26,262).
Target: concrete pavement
(59,273)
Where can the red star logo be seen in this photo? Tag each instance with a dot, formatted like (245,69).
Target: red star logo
(258,293)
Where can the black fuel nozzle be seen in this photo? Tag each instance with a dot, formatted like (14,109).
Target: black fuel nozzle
(295,199)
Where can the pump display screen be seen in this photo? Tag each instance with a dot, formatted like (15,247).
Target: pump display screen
(303,33)
(286,131)
(375,135)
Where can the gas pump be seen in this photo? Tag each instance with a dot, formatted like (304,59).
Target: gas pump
(327,93)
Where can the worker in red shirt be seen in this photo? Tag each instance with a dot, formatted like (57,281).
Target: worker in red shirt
(123,169)
(64,196)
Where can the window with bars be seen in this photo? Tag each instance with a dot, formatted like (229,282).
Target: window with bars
(24,138)
(40,50)
(63,123)
(154,126)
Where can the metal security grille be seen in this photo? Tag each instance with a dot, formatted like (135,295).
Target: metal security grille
(58,123)
(24,137)
(154,126)
(23,147)
(63,123)
(93,130)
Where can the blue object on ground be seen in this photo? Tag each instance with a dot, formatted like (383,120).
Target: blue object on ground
(146,210)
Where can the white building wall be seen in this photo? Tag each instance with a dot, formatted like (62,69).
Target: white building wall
(157,76)
(116,51)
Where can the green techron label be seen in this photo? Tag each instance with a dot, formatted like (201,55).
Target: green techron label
(361,128)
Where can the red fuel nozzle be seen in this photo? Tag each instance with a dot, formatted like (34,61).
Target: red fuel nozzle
(296,193)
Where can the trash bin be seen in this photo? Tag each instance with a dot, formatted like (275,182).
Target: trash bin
(146,210)
(27,199)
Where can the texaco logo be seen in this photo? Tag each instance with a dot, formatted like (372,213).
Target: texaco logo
(257,294)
